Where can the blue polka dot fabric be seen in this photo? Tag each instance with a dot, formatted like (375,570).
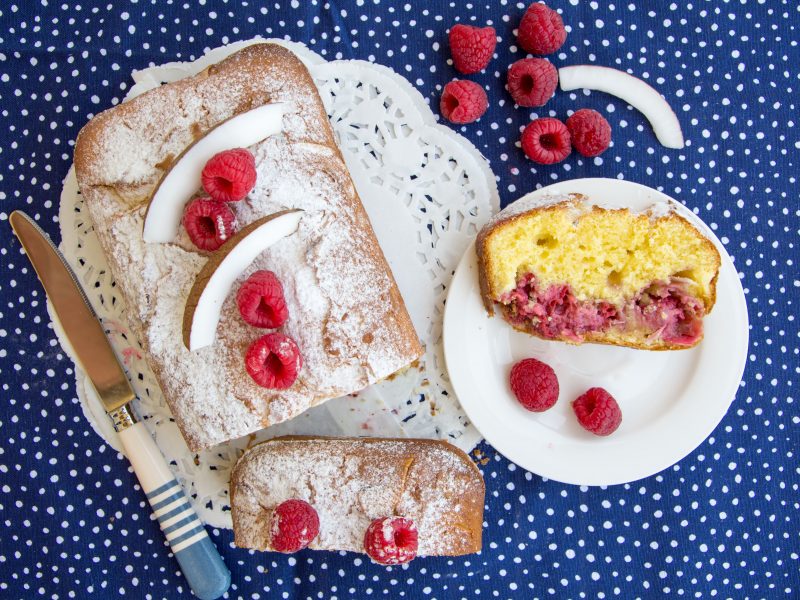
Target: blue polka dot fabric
(723,522)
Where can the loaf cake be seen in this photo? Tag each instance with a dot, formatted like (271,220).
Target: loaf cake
(352,481)
(565,269)
(345,312)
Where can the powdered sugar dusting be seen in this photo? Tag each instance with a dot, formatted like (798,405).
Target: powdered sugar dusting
(527,203)
(166,275)
(387,530)
(352,482)
(129,152)
(580,204)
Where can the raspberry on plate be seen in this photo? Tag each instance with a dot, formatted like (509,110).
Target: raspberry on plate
(229,175)
(293,525)
(463,101)
(546,141)
(532,81)
(209,223)
(597,411)
(391,540)
(541,30)
(590,132)
(273,361)
(471,47)
(261,302)
(534,383)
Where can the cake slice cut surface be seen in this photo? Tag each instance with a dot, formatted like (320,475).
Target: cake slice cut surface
(568,270)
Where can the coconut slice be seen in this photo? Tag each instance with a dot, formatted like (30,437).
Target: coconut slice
(214,281)
(181,180)
(632,90)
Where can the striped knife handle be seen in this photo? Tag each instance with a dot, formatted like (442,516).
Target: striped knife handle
(200,562)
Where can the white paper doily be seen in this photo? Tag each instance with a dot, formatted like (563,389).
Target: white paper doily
(427,191)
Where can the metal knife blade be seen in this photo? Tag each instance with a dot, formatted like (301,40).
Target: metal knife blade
(77,317)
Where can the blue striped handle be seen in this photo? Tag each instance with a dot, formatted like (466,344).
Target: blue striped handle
(200,562)
(198,557)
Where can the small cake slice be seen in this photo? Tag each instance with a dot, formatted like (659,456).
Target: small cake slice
(565,269)
(352,482)
(134,164)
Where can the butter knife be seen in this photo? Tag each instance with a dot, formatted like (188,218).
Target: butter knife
(200,562)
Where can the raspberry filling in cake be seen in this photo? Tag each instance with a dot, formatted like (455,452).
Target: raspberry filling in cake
(665,308)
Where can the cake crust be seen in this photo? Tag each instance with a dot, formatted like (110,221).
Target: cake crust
(348,340)
(578,205)
(351,481)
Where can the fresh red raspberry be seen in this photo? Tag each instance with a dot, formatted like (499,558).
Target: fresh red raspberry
(463,101)
(471,47)
(532,81)
(209,223)
(391,540)
(546,141)
(590,132)
(597,411)
(261,302)
(534,384)
(230,175)
(273,361)
(294,524)
(541,30)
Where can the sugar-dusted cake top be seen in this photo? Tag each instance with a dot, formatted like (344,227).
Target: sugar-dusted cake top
(346,313)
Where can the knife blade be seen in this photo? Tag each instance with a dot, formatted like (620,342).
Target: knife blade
(199,559)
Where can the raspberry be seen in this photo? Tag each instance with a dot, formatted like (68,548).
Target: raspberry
(261,302)
(541,30)
(230,175)
(532,81)
(590,132)
(273,361)
(471,47)
(597,411)
(293,525)
(391,540)
(209,223)
(534,384)
(463,101)
(546,141)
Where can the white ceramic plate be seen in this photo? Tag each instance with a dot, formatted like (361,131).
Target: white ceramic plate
(671,401)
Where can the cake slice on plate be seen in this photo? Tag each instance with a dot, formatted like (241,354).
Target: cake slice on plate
(566,269)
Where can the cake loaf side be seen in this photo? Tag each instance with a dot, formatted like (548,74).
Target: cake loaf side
(348,338)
